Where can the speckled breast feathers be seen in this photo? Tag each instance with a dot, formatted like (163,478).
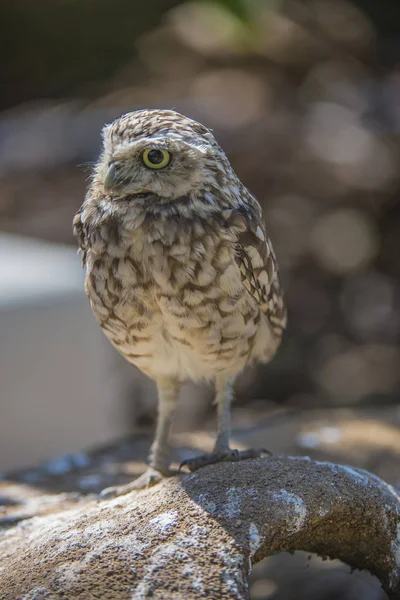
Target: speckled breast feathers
(179,270)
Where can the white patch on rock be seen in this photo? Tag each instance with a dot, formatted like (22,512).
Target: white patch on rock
(68,571)
(165,521)
(207,504)
(296,504)
(99,529)
(253,493)
(193,572)
(391,489)
(254,539)
(162,557)
(197,532)
(356,475)
(233,503)
(127,546)
(232,574)
(231,509)
(36,594)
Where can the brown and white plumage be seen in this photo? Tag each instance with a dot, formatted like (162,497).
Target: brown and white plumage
(180,272)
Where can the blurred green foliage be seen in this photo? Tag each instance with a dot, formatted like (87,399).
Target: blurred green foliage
(53,48)
(240,8)
(245,9)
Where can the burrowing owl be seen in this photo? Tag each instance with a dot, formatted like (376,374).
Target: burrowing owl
(179,271)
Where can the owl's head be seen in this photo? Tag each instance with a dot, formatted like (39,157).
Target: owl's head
(157,152)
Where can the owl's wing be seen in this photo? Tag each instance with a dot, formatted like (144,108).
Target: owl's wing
(258,266)
(80,233)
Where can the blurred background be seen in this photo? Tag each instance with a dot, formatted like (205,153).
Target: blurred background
(304,96)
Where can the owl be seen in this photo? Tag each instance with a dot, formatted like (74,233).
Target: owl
(180,273)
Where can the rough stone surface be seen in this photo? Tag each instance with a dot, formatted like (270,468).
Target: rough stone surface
(196,536)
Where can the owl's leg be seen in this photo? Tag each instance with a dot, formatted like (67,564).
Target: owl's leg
(159,459)
(223,401)
(168,393)
(222,451)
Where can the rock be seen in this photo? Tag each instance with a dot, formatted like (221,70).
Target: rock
(196,536)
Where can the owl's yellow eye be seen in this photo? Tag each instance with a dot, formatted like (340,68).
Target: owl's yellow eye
(156,159)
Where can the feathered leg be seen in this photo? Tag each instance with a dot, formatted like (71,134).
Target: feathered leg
(222,451)
(159,459)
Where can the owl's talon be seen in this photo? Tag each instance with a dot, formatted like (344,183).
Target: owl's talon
(149,478)
(254,453)
(231,455)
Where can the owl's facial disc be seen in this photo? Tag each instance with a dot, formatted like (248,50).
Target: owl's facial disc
(165,170)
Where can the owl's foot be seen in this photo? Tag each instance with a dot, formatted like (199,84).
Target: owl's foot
(149,478)
(229,455)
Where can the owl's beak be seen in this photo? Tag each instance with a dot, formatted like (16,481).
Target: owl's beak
(114,183)
(111,179)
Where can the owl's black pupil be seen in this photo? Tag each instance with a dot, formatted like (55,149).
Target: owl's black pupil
(155,157)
